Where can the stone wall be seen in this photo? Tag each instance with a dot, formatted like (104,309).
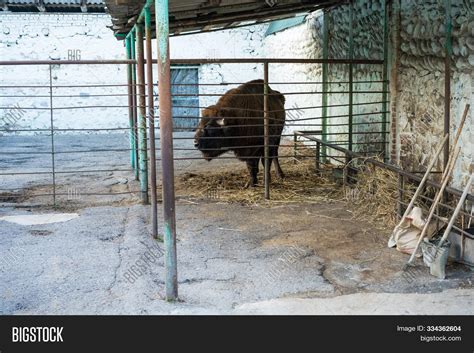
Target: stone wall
(420,101)
(417,115)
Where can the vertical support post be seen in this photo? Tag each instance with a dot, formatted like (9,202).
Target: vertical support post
(151,123)
(295,147)
(53,162)
(166,128)
(318,155)
(141,127)
(134,105)
(395,16)
(130,102)
(448,49)
(351,77)
(325,81)
(266,130)
(385,83)
(401,185)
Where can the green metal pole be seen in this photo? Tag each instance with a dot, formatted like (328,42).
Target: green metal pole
(385,84)
(325,82)
(130,103)
(166,140)
(134,97)
(142,141)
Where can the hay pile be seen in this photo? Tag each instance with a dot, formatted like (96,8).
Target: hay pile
(301,184)
(374,196)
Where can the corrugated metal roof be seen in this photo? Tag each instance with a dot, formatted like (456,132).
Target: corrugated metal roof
(62,2)
(53,5)
(280,25)
(187,16)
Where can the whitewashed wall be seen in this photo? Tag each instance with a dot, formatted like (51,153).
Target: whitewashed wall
(419,109)
(421,80)
(58,36)
(303,41)
(53,36)
(245,42)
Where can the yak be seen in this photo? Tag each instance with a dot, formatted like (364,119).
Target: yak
(236,123)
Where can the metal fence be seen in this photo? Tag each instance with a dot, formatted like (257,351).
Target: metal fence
(58,163)
(55,96)
(48,156)
(405,193)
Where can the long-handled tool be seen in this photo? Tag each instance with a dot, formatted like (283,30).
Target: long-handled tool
(391,241)
(444,179)
(436,200)
(438,263)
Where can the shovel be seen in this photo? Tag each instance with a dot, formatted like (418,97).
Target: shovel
(438,263)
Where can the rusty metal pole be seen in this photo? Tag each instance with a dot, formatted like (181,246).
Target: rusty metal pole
(351,80)
(447,79)
(141,127)
(151,123)
(266,131)
(325,88)
(318,156)
(166,138)
(385,84)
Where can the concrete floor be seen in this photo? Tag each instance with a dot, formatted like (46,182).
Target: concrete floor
(233,259)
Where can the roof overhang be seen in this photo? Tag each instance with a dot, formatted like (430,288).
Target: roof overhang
(189,16)
(53,6)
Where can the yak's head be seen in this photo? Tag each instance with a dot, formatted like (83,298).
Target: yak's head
(210,137)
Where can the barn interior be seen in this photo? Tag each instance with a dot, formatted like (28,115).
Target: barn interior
(313,242)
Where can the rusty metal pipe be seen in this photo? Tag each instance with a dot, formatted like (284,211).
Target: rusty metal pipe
(141,121)
(266,132)
(447,79)
(166,128)
(151,124)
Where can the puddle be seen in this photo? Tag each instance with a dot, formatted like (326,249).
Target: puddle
(47,218)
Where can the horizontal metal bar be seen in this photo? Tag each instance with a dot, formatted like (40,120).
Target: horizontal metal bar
(195,61)
(181,84)
(392,168)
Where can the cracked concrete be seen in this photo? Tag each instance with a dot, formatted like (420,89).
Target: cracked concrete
(274,260)
(300,258)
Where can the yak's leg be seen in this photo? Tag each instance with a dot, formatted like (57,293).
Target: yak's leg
(252,166)
(274,154)
(270,161)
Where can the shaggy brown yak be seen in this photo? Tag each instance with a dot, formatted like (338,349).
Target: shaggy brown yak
(235,123)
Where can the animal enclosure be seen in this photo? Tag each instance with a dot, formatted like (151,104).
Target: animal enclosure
(331,128)
(49,160)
